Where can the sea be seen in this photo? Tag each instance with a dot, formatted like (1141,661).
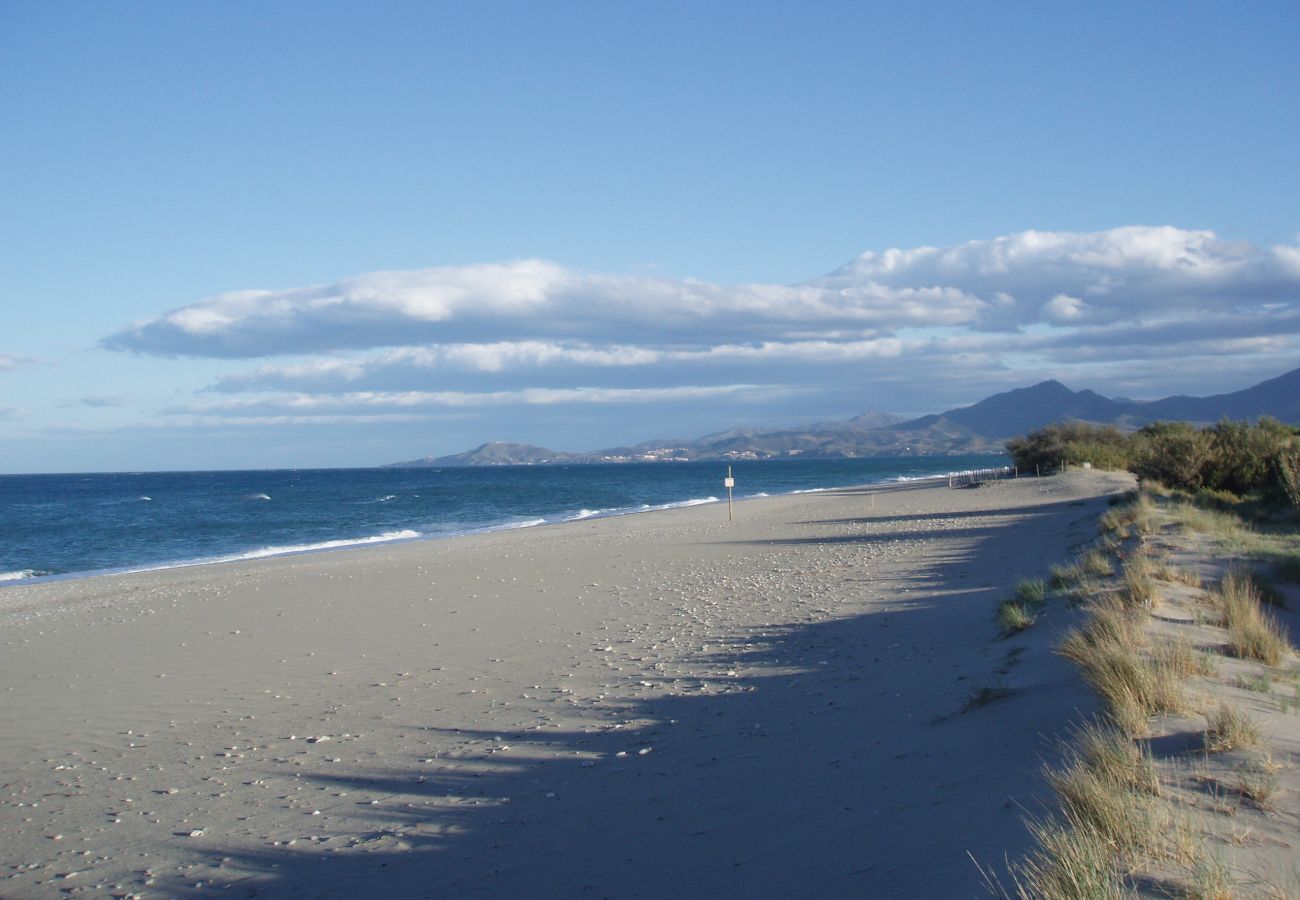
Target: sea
(62,526)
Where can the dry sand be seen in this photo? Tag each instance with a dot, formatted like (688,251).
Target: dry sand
(657,705)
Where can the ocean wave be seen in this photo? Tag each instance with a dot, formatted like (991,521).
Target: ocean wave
(699,501)
(19,575)
(256,497)
(384,499)
(387,537)
(811,490)
(508,526)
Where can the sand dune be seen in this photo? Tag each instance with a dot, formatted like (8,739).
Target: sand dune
(658,705)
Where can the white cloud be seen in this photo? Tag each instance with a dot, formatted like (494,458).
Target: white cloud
(1120,273)
(893,328)
(531,311)
(9,362)
(536,356)
(352,402)
(531,300)
(1063,309)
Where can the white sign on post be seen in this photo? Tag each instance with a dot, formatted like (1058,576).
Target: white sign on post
(729,483)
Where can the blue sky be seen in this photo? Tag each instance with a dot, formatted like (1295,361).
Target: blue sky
(241,234)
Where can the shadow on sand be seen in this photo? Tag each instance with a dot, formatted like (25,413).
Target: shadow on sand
(845,759)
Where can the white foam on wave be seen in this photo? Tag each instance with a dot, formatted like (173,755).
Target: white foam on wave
(526,523)
(256,497)
(143,499)
(587,514)
(810,490)
(17,576)
(387,537)
(699,501)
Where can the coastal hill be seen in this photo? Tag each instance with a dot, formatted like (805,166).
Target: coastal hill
(979,428)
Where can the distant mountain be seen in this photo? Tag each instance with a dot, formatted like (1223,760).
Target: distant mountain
(1024,409)
(983,427)
(496,453)
(1278,397)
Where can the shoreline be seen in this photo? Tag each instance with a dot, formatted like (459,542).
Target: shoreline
(25,577)
(630,706)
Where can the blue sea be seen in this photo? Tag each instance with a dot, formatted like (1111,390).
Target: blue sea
(71,525)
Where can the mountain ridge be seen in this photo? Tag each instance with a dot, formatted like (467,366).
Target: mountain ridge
(982,427)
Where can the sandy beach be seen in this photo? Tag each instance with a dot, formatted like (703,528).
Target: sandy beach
(656,705)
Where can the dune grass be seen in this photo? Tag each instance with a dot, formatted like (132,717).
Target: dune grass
(1108,816)
(1257,780)
(1021,610)
(1228,728)
(1097,564)
(1072,860)
(1133,685)
(1064,576)
(1139,583)
(1253,633)
(1014,616)
(1114,820)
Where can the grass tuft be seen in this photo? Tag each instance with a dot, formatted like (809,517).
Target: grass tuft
(1066,576)
(1257,779)
(1108,651)
(1228,728)
(1116,758)
(1139,586)
(1097,564)
(1014,616)
(1253,633)
(1031,592)
(1210,880)
(1072,861)
(1184,660)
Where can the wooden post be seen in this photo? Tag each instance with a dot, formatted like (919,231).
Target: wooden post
(730,484)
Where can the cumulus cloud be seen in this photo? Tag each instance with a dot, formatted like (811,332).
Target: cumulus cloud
(530,300)
(1094,309)
(1063,309)
(1118,271)
(519,312)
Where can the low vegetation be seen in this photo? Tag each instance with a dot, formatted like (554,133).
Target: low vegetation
(1116,822)
(1228,728)
(1229,460)
(1020,611)
(1253,633)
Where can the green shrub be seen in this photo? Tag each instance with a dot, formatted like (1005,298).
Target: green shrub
(1242,455)
(1286,465)
(1074,443)
(1172,453)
